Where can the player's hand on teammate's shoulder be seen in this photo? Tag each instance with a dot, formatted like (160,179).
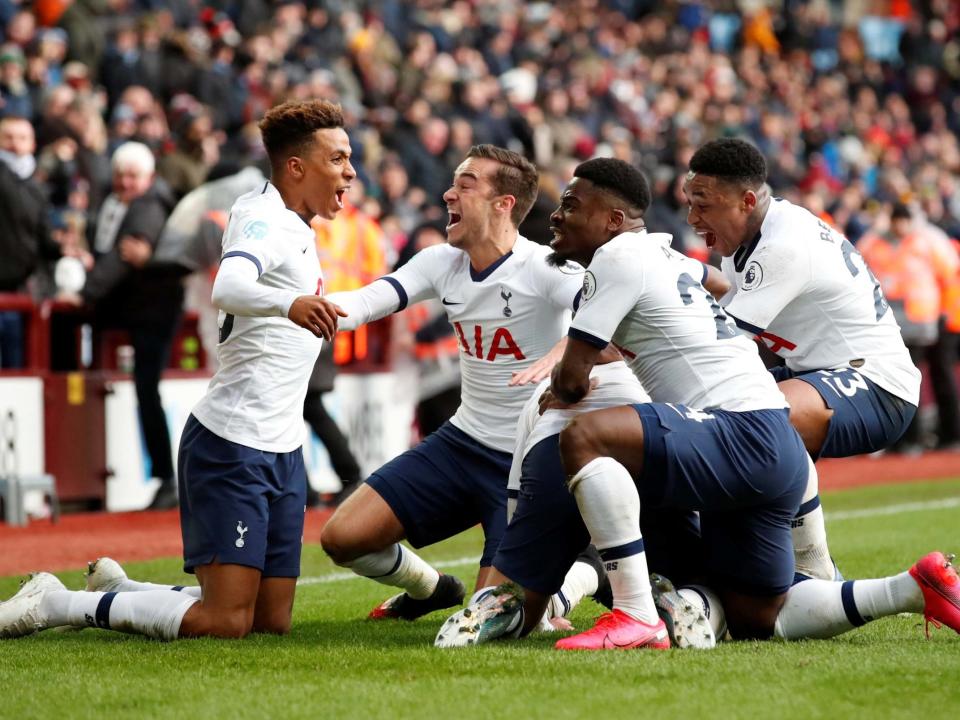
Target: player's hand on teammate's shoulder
(316,314)
(549,401)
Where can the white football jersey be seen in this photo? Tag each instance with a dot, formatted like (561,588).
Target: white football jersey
(256,396)
(617,386)
(649,301)
(806,293)
(505,318)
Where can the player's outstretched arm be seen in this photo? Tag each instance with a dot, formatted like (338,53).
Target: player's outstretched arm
(371,302)
(316,314)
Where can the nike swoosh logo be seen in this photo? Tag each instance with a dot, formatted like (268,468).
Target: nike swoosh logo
(304,251)
(450,302)
(609,642)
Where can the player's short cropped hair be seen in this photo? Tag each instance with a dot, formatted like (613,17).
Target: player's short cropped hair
(288,129)
(133,156)
(516,176)
(618,178)
(731,160)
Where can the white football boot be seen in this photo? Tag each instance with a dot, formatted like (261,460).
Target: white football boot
(20,615)
(104,575)
(493,615)
(687,626)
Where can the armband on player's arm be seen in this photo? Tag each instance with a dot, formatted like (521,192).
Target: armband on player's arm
(236,290)
(371,302)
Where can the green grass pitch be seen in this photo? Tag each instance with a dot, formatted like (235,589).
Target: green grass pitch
(335,664)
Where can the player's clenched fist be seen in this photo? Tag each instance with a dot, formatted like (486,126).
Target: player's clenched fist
(316,314)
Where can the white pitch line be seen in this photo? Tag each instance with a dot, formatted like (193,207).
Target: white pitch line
(833,516)
(894,509)
(341,576)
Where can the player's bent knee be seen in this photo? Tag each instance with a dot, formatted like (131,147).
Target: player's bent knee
(749,629)
(276,625)
(753,620)
(230,625)
(578,444)
(335,544)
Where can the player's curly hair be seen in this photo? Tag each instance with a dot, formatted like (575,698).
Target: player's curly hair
(516,176)
(618,178)
(288,129)
(732,160)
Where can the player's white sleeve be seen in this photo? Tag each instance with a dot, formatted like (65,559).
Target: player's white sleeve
(611,287)
(236,290)
(559,285)
(410,284)
(771,279)
(726,267)
(369,303)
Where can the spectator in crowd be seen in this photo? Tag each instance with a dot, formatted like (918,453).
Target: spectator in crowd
(915,268)
(145,300)
(25,241)
(196,152)
(13,86)
(352,251)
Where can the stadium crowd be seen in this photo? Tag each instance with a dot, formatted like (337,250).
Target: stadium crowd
(855,104)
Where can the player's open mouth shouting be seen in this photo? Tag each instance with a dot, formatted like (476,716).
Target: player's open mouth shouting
(709,237)
(454,219)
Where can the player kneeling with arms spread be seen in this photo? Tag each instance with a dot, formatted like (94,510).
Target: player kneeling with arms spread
(241,473)
(739,464)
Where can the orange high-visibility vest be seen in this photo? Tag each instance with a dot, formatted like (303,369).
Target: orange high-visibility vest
(351,252)
(951,295)
(915,271)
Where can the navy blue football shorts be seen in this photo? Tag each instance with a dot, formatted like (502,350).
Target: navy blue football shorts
(445,485)
(866,418)
(239,505)
(744,472)
(546,532)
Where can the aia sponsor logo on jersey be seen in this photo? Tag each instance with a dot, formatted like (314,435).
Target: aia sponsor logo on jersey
(502,343)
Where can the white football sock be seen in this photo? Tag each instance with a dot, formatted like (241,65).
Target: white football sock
(581,580)
(128,585)
(400,567)
(610,507)
(812,556)
(703,597)
(823,609)
(156,614)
